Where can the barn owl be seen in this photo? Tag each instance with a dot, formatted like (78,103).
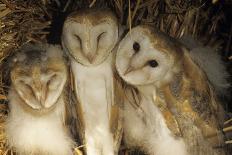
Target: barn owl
(170,107)
(35,124)
(89,38)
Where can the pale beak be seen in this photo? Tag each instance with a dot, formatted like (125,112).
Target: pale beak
(128,70)
(90,57)
(89,51)
(40,96)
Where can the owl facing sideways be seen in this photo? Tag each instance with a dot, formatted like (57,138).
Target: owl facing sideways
(35,124)
(170,107)
(89,37)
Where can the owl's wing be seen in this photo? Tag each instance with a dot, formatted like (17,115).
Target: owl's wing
(191,99)
(116,112)
(73,115)
(209,114)
(200,89)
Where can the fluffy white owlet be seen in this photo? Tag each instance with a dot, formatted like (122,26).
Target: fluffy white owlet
(35,124)
(89,37)
(170,106)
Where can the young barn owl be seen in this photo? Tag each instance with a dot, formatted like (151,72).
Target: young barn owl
(170,106)
(35,125)
(89,37)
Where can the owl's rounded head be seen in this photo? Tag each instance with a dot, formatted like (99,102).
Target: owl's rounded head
(146,56)
(89,36)
(38,76)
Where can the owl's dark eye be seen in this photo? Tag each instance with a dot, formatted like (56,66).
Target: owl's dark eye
(79,39)
(153,63)
(136,47)
(100,35)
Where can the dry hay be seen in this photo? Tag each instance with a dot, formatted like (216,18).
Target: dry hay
(23,21)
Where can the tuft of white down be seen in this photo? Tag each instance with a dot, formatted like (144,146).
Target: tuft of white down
(94,87)
(210,61)
(145,127)
(37,135)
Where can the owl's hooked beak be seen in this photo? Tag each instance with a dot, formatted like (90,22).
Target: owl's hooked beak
(90,57)
(38,87)
(128,70)
(41,97)
(89,50)
(133,68)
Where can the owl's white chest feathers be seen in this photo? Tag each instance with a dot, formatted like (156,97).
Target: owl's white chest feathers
(94,86)
(43,134)
(145,127)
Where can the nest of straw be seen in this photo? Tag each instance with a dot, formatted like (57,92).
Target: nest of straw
(23,21)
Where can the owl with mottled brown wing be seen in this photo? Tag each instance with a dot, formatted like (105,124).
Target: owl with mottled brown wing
(89,37)
(37,102)
(170,106)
